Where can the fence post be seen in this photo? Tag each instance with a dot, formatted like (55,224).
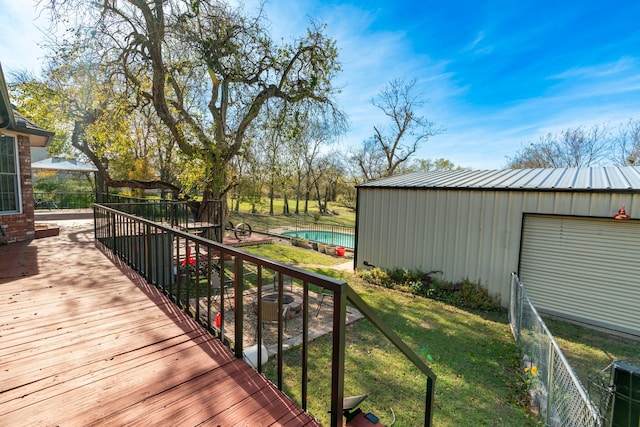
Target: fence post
(550,369)
(517,299)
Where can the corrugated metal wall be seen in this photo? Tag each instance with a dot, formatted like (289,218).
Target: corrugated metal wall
(472,234)
(585,269)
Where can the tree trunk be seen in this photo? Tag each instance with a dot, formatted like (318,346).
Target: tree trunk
(271,196)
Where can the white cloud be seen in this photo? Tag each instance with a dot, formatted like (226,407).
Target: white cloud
(21,26)
(480,132)
(623,65)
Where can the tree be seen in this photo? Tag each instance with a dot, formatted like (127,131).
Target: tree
(313,132)
(207,70)
(627,144)
(577,147)
(38,101)
(369,161)
(91,117)
(391,146)
(427,165)
(327,175)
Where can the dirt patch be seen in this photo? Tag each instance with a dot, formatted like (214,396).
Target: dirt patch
(320,318)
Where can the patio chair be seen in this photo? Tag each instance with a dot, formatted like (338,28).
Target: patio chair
(320,299)
(270,313)
(220,289)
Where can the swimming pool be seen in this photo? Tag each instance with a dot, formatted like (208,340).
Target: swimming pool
(322,236)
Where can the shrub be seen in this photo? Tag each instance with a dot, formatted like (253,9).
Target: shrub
(473,295)
(466,294)
(404,276)
(376,276)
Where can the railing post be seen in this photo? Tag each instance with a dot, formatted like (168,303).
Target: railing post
(337,364)
(428,413)
(238,284)
(259,314)
(113,232)
(95,223)
(280,331)
(149,261)
(305,343)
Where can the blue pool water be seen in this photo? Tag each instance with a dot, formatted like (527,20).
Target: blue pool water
(329,237)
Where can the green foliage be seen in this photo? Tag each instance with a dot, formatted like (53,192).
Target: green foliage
(473,355)
(466,294)
(292,254)
(342,215)
(61,182)
(40,102)
(377,276)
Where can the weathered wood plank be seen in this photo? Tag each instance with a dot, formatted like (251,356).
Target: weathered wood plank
(124,380)
(86,353)
(90,343)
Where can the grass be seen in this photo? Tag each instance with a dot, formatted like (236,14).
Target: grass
(473,355)
(343,215)
(293,255)
(590,351)
(480,382)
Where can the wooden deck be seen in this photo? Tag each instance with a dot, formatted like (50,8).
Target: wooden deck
(85,341)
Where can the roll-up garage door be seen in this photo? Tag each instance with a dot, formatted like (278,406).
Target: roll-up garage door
(586,269)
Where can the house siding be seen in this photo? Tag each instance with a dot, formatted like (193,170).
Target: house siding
(474,234)
(19,227)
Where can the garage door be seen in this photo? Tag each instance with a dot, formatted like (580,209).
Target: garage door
(585,269)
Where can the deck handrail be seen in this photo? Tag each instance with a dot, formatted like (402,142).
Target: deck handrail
(157,251)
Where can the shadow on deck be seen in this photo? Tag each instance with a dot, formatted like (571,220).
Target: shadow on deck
(86,341)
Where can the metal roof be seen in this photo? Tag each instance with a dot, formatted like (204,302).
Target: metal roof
(609,178)
(59,164)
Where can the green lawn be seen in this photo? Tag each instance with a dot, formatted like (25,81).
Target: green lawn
(480,382)
(341,215)
(590,351)
(473,355)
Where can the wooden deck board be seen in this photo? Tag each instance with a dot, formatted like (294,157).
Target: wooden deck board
(82,358)
(117,383)
(90,343)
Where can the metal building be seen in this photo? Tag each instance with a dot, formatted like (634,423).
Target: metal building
(554,227)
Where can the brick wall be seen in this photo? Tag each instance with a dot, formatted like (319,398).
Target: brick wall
(21,227)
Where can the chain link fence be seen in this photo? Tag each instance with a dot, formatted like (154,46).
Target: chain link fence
(555,390)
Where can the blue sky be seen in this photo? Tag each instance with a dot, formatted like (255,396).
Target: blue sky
(497,73)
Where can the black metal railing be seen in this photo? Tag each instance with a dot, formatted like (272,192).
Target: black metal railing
(201,276)
(75,200)
(175,213)
(321,231)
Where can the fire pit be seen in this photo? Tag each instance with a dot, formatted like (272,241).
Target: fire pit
(292,301)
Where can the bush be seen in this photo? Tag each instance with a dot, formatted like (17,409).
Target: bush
(377,276)
(466,294)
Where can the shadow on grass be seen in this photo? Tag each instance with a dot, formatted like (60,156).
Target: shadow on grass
(473,355)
